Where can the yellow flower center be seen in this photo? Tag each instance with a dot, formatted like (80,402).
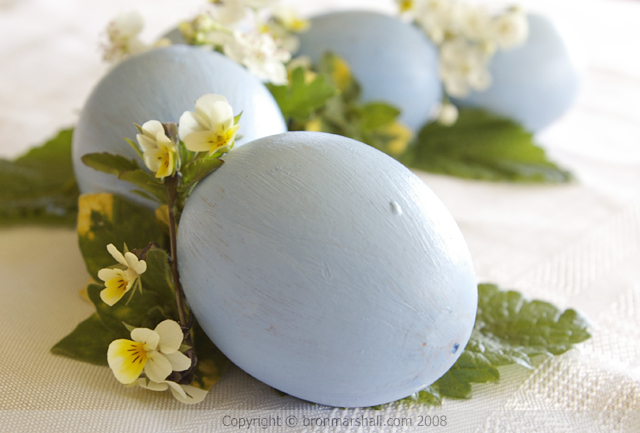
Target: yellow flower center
(137,353)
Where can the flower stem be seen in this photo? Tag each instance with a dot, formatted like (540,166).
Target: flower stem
(172,195)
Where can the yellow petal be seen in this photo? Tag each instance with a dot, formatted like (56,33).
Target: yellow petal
(111,295)
(126,359)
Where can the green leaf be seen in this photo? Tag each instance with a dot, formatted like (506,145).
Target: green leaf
(197,170)
(510,330)
(299,99)
(88,342)
(147,182)
(481,145)
(109,163)
(211,362)
(376,115)
(105,219)
(40,187)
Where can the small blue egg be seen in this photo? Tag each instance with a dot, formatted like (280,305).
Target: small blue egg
(534,84)
(393,61)
(161,85)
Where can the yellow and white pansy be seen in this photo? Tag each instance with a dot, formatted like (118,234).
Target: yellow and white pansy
(119,281)
(159,152)
(187,394)
(211,128)
(153,351)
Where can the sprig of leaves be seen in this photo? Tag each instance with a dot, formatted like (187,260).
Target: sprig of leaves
(481,145)
(509,329)
(40,187)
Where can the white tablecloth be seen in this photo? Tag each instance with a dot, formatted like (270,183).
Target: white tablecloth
(576,245)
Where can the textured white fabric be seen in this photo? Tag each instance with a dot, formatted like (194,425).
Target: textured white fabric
(576,245)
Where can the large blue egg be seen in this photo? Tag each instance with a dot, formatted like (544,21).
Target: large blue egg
(327,269)
(160,85)
(393,61)
(535,83)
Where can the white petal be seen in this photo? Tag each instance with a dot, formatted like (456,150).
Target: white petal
(179,361)
(157,367)
(186,393)
(221,115)
(140,268)
(205,104)
(188,124)
(148,337)
(107,274)
(132,260)
(146,143)
(153,159)
(117,255)
(145,383)
(152,128)
(171,336)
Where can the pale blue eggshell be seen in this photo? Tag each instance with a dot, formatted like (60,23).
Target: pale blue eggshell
(534,84)
(327,270)
(393,60)
(160,85)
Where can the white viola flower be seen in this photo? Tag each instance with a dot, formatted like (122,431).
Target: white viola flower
(229,13)
(260,54)
(122,33)
(187,394)
(119,281)
(510,29)
(153,351)
(211,128)
(159,152)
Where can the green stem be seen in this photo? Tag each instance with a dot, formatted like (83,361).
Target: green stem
(172,195)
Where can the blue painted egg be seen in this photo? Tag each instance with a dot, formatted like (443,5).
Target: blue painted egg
(160,85)
(327,270)
(534,84)
(393,61)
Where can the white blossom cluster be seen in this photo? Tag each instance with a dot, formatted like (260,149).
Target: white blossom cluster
(467,37)
(123,40)
(255,33)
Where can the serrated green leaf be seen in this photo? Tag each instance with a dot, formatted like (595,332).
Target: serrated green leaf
(105,219)
(147,182)
(211,362)
(197,170)
(40,187)
(109,163)
(481,145)
(88,342)
(510,329)
(299,99)
(376,115)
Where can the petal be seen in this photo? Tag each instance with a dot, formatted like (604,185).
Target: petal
(132,260)
(109,274)
(152,128)
(126,359)
(186,393)
(148,337)
(201,141)
(153,159)
(179,361)
(188,124)
(117,255)
(141,267)
(111,295)
(221,115)
(157,367)
(146,143)
(145,383)
(171,336)
(205,104)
